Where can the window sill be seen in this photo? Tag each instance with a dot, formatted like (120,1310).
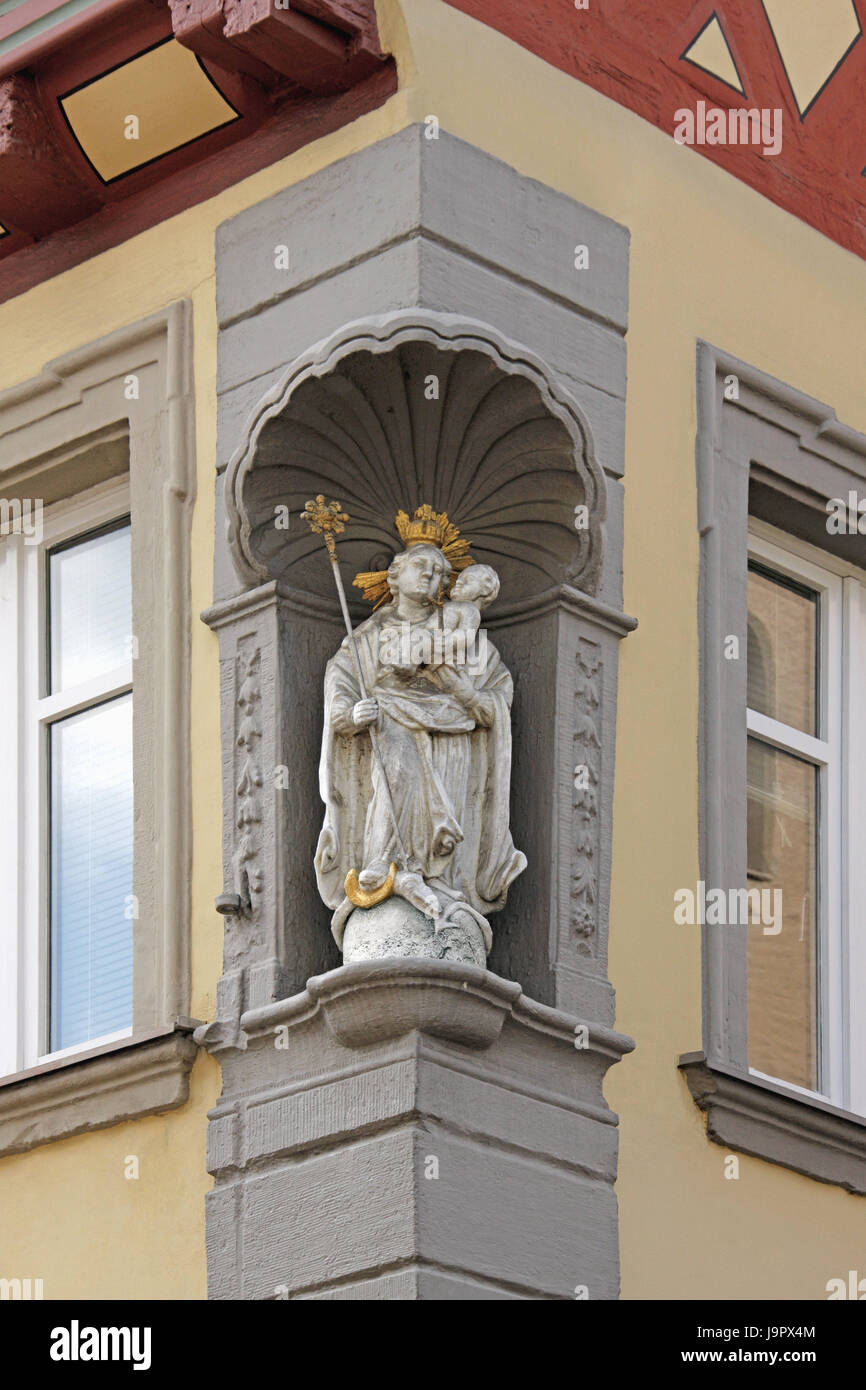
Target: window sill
(766,1120)
(119,1081)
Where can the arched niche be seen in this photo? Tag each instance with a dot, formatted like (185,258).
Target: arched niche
(388,414)
(413,408)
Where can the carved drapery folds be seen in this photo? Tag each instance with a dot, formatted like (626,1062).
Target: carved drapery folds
(411,409)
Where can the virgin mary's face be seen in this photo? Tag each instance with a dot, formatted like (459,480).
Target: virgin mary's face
(421,573)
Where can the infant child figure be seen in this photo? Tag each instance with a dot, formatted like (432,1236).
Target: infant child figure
(474,589)
(447,638)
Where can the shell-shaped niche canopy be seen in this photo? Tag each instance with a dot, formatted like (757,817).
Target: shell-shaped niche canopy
(397,413)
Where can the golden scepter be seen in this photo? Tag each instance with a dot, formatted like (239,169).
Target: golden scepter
(328,520)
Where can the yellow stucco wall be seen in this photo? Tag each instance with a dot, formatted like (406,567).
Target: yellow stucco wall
(69,1216)
(709,258)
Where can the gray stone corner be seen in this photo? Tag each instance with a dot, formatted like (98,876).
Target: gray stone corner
(768,1121)
(414,1129)
(420,1128)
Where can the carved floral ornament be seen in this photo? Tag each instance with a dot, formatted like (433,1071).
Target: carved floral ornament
(419,408)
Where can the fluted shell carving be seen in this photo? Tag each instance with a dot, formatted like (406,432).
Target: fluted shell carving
(426,412)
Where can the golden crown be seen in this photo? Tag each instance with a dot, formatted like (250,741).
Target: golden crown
(425,528)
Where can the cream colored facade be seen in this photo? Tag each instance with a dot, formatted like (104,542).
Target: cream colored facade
(710,259)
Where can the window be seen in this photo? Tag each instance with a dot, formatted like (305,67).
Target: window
(806,641)
(67,613)
(94,964)
(86,716)
(782,1069)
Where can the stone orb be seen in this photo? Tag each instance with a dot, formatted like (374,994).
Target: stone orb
(395,930)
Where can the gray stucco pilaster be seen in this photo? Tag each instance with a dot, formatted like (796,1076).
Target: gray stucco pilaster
(409,256)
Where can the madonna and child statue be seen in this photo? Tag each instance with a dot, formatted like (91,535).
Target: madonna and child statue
(415,852)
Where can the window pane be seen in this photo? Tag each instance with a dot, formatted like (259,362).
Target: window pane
(783,967)
(91,873)
(782,656)
(90,607)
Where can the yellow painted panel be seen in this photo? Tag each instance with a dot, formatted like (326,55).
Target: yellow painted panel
(711,259)
(710,51)
(69,1214)
(118,1214)
(144,109)
(812,36)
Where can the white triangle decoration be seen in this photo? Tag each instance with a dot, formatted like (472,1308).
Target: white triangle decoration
(710,51)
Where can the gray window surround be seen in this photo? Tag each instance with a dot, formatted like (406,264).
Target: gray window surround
(62,432)
(139,1076)
(768,1121)
(778,455)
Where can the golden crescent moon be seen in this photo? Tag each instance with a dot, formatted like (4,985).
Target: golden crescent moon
(369,898)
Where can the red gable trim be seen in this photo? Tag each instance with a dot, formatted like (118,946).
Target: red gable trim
(631,51)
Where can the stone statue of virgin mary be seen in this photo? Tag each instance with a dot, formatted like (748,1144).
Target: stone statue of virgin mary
(415,851)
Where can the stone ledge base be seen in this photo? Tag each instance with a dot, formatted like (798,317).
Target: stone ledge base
(413,1130)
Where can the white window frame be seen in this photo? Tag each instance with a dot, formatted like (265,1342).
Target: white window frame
(28,712)
(839,752)
(63,431)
